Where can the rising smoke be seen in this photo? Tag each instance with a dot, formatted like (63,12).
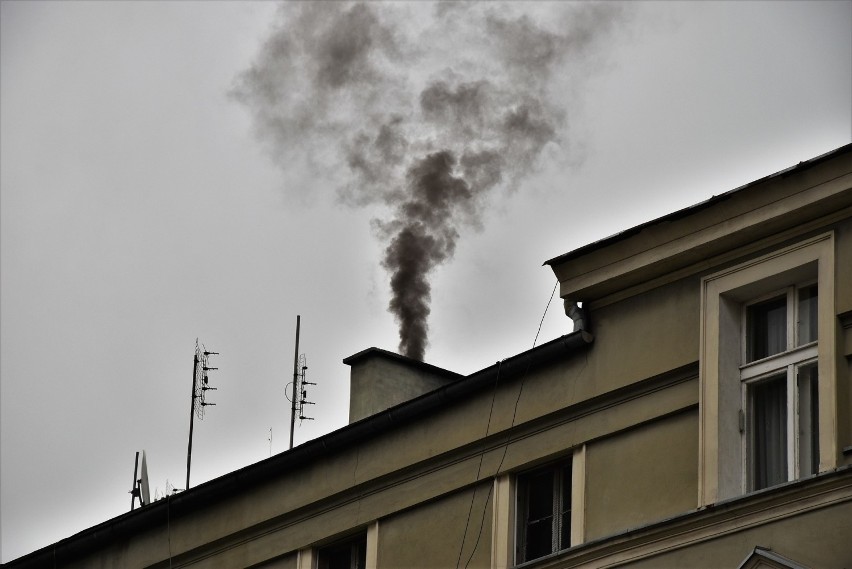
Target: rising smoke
(422,109)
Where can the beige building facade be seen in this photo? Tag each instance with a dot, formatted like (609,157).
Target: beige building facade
(698,415)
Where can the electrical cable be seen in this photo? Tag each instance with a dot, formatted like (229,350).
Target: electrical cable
(508,440)
(479,469)
(169,525)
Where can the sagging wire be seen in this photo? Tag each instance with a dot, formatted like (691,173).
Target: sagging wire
(508,439)
(479,470)
(169,525)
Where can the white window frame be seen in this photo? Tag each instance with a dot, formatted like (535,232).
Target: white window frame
(505,515)
(722,469)
(788,363)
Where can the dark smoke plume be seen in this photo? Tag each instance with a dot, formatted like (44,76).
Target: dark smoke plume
(422,236)
(423,109)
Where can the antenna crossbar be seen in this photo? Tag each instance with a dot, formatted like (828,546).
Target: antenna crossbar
(299,392)
(198,401)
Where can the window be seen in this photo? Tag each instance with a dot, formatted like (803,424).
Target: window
(769,329)
(780,386)
(767,373)
(348,554)
(544,511)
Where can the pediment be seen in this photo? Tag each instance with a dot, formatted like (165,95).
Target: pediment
(765,558)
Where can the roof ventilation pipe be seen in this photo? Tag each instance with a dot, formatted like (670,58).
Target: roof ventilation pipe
(578,314)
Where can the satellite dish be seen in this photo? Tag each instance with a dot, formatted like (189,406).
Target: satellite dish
(140,485)
(143,483)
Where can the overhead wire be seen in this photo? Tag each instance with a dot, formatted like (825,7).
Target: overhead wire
(169,525)
(508,439)
(479,470)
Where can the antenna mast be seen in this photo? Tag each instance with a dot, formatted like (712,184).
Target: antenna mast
(295,381)
(299,392)
(200,388)
(134,491)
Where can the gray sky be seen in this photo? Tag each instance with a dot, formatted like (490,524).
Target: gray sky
(139,210)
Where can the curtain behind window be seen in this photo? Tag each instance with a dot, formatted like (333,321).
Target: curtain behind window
(769,438)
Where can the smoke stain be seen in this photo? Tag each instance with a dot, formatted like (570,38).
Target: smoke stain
(425,123)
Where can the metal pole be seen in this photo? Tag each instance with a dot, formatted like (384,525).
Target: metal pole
(295,381)
(191,415)
(134,490)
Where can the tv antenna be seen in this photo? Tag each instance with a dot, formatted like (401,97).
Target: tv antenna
(140,488)
(299,392)
(200,387)
(302,390)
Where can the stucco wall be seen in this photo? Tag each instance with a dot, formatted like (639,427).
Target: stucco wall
(642,475)
(430,535)
(645,335)
(843,294)
(843,270)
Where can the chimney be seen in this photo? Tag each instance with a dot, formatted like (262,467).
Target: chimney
(380,379)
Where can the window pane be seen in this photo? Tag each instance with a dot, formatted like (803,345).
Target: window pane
(339,559)
(766,328)
(808,420)
(768,453)
(536,491)
(359,557)
(540,501)
(539,539)
(807,325)
(544,511)
(351,554)
(565,518)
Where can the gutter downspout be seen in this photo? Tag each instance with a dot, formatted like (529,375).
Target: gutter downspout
(579,314)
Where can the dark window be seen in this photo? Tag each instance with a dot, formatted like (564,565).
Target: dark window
(766,324)
(769,432)
(807,320)
(544,511)
(348,554)
(808,419)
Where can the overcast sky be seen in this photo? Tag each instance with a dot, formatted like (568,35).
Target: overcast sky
(154,192)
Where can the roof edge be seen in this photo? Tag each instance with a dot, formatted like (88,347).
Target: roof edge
(689,210)
(178,505)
